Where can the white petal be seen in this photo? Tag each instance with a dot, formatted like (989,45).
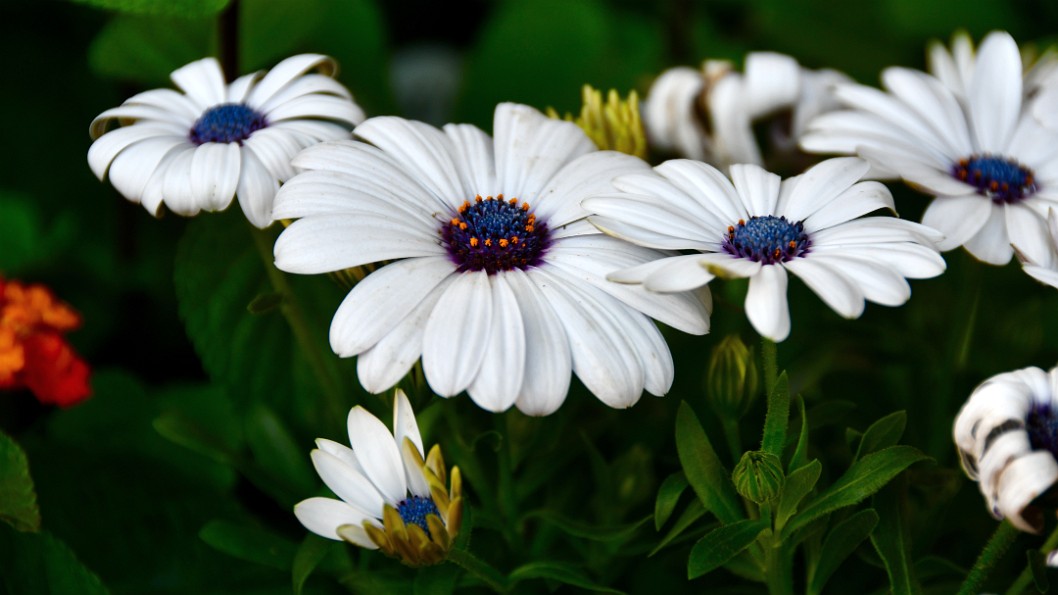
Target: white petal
(959,218)
(995,92)
(164,107)
(422,151)
(203,82)
(323,516)
(322,244)
(821,184)
(110,145)
(670,113)
(680,273)
(829,284)
(348,483)
(652,214)
(758,188)
(456,334)
(772,81)
(275,149)
(991,243)
(498,382)
(1024,480)
(647,236)
(733,140)
(257,190)
(177,186)
(307,85)
(1043,275)
(380,301)
(592,174)
(474,158)
(934,103)
(378,454)
(531,148)
(133,167)
(1027,231)
(405,426)
(859,200)
(548,362)
(727,266)
(286,71)
(342,452)
(319,107)
(876,281)
(238,89)
(713,197)
(766,305)
(215,174)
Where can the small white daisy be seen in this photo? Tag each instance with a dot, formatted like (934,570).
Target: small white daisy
(494,277)
(197,150)
(992,169)
(761,227)
(392,496)
(1007,436)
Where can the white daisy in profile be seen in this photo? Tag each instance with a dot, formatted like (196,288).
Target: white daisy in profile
(494,277)
(1007,436)
(992,169)
(392,496)
(762,227)
(195,151)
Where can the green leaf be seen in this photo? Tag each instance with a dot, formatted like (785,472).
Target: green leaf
(249,543)
(799,458)
(180,8)
(437,580)
(612,533)
(18,500)
(265,302)
(722,544)
(25,239)
(694,511)
(798,485)
(310,553)
(882,434)
(668,496)
(862,479)
(704,471)
(146,49)
(891,542)
(276,453)
(839,544)
(777,418)
(39,563)
(558,571)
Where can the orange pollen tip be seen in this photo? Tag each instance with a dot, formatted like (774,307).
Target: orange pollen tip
(499,196)
(455,221)
(792,244)
(525,206)
(994,186)
(962,174)
(488,241)
(504,243)
(777,253)
(462,226)
(513,202)
(1029,181)
(741,221)
(514,239)
(529,228)
(474,242)
(478,198)
(730,229)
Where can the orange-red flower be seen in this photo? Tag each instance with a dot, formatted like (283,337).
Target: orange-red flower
(33,353)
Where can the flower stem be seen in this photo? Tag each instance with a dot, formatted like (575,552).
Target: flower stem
(480,569)
(294,313)
(769,353)
(993,551)
(778,569)
(1021,584)
(733,437)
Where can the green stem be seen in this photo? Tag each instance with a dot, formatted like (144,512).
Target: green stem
(733,436)
(505,498)
(993,551)
(769,353)
(294,313)
(1021,584)
(480,569)
(778,574)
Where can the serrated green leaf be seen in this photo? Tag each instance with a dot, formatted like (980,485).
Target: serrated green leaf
(883,433)
(178,8)
(18,500)
(146,49)
(890,540)
(862,479)
(777,418)
(694,511)
(558,571)
(704,471)
(249,543)
(39,563)
(839,544)
(799,458)
(310,553)
(668,496)
(276,453)
(798,485)
(611,533)
(718,546)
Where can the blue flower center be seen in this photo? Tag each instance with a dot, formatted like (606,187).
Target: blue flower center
(767,239)
(492,235)
(414,509)
(1002,180)
(227,123)
(1042,427)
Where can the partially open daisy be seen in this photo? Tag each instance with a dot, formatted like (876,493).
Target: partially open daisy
(392,497)
(494,277)
(1007,436)
(992,168)
(762,227)
(195,151)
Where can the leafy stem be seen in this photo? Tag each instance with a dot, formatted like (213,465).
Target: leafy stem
(993,551)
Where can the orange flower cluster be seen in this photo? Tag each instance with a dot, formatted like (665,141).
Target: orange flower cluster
(33,353)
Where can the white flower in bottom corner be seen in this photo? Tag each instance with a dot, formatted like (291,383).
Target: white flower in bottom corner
(1007,436)
(763,228)
(390,498)
(197,150)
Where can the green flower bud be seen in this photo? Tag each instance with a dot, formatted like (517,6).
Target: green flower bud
(758,476)
(732,379)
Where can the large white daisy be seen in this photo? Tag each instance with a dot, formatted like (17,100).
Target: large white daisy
(992,168)
(1007,436)
(762,227)
(493,275)
(195,151)
(392,495)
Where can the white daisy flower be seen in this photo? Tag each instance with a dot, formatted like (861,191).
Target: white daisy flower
(1007,436)
(493,275)
(731,102)
(197,150)
(992,169)
(762,227)
(390,496)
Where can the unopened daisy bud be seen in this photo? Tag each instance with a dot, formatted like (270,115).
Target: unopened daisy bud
(614,125)
(732,378)
(392,498)
(759,476)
